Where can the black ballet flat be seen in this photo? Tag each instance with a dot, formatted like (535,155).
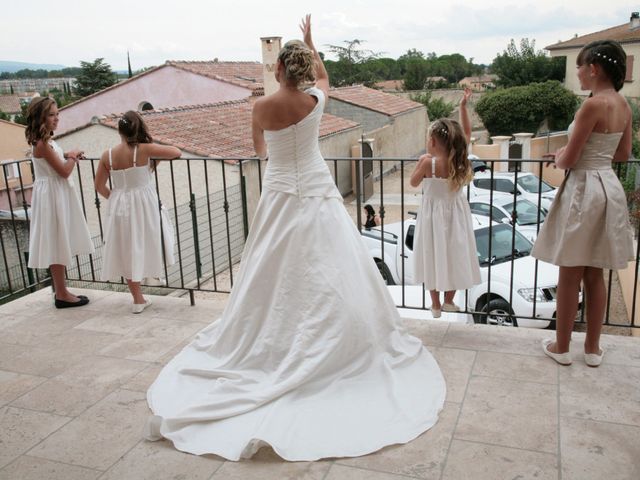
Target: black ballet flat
(64,304)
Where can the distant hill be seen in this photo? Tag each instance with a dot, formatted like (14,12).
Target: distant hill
(12,67)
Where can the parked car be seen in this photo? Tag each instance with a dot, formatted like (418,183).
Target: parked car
(18,214)
(476,164)
(506,301)
(527,185)
(501,209)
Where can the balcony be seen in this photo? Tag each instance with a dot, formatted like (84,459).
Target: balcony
(73,382)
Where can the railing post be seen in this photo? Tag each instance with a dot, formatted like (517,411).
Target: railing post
(196,240)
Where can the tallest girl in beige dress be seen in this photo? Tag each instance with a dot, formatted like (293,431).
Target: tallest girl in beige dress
(587,229)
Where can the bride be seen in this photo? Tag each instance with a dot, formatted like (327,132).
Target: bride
(298,361)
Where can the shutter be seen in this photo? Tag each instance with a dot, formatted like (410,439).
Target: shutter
(629,77)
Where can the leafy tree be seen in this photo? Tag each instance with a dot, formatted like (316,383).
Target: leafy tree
(520,67)
(436,107)
(94,76)
(524,108)
(415,75)
(348,69)
(21,117)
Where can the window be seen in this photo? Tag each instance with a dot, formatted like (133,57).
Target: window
(503,185)
(409,241)
(143,106)
(531,183)
(12,169)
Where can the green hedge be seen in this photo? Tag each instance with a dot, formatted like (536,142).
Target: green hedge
(523,109)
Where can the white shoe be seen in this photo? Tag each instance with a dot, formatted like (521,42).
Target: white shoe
(139,307)
(154,282)
(450,307)
(435,312)
(593,359)
(561,358)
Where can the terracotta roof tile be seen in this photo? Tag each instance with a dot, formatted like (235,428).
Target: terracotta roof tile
(9,103)
(221,130)
(375,100)
(243,74)
(621,33)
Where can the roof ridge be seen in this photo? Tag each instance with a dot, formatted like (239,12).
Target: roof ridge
(178,108)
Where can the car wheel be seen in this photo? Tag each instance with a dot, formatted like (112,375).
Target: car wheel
(499,313)
(384,271)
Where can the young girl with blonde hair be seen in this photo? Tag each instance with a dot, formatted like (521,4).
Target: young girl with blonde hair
(444,246)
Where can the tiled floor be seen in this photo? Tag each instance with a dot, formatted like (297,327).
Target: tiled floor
(73,382)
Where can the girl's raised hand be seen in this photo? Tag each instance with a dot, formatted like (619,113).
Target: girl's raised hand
(466,96)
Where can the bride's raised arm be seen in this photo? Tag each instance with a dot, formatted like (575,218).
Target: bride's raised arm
(322,77)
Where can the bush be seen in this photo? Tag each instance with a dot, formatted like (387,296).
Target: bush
(436,107)
(523,109)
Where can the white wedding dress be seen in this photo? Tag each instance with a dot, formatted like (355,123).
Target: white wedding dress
(308,356)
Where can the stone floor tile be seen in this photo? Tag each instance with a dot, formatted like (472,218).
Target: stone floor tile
(609,393)
(456,367)
(429,332)
(598,450)
(101,435)
(143,380)
(510,413)
(31,468)
(422,457)
(14,385)
(160,460)
(22,429)
(525,368)
(9,320)
(151,340)
(39,361)
(491,338)
(81,386)
(267,465)
(109,323)
(489,462)
(341,472)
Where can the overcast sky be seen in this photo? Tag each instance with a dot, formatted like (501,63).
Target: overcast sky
(65,32)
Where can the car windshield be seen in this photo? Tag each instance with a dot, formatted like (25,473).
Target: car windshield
(501,251)
(526,212)
(533,184)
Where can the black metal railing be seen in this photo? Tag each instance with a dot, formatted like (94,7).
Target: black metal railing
(211,203)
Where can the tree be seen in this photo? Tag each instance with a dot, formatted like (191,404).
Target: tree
(21,117)
(520,67)
(436,107)
(415,75)
(349,68)
(524,108)
(129,65)
(4,116)
(93,77)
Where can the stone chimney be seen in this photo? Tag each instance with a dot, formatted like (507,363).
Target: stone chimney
(270,49)
(634,21)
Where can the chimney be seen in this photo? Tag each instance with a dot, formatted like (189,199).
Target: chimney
(634,20)
(270,49)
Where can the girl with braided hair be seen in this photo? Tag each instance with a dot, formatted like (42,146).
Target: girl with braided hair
(587,228)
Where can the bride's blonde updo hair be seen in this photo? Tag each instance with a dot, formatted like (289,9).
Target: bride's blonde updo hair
(298,61)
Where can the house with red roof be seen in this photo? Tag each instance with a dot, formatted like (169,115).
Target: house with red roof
(397,125)
(628,34)
(173,84)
